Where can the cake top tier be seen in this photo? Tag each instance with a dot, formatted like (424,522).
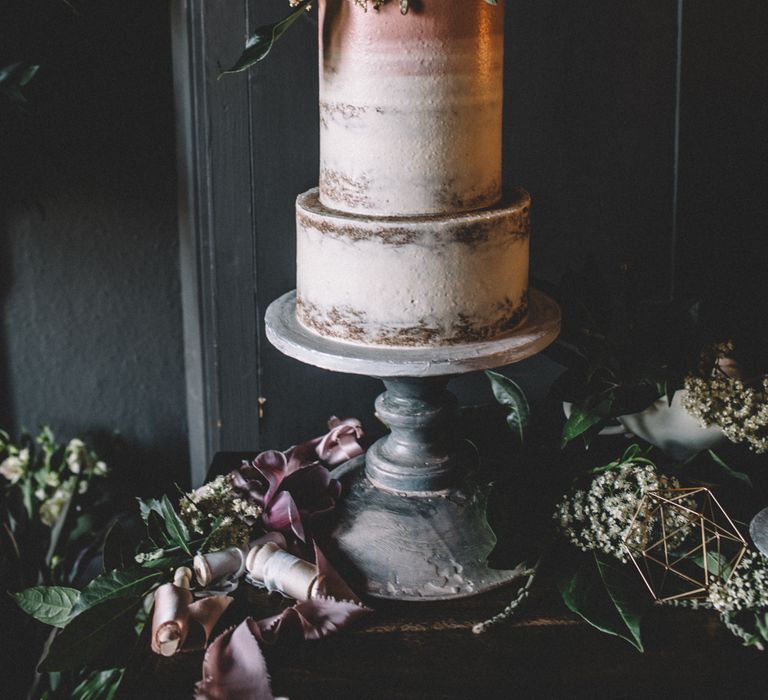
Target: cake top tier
(410,107)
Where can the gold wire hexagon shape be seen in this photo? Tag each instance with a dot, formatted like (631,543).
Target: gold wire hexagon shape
(681,541)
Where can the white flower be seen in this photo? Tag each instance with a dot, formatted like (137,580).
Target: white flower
(82,487)
(747,588)
(40,494)
(73,461)
(599,518)
(52,479)
(100,468)
(75,451)
(51,509)
(12,468)
(24,455)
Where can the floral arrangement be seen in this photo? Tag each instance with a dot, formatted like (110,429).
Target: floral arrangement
(44,485)
(606,510)
(626,354)
(273,498)
(740,410)
(55,509)
(598,518)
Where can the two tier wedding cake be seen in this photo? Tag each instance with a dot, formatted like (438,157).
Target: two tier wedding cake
(409,240)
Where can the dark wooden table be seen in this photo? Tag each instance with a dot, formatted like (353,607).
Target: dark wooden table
(429,651)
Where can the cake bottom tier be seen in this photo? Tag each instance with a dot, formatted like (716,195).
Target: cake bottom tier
(413,281)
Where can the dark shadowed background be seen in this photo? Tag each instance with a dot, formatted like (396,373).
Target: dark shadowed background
(640,130)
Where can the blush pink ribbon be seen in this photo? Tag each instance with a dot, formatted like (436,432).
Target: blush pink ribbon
(234,667)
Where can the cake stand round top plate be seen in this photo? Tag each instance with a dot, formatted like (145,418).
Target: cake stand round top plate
(531,337)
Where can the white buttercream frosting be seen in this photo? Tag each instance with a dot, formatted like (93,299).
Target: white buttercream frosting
(412,281)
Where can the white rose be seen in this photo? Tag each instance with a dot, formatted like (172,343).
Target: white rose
(12,468)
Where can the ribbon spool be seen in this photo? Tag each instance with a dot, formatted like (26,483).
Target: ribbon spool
(217,566)
(277,570)
(170,620)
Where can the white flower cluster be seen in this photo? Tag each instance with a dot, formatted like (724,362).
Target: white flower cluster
(52,481)
(599,518)
(216,504)
(747,589)
(740,411)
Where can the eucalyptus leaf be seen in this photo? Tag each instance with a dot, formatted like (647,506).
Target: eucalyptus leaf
(51,605)
(132,583)
(263,39)
(102,636)
(601,592)
(174,525)
(509,394)
(741,476)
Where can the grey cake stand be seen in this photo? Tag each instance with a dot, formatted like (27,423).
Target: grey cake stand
(413,521)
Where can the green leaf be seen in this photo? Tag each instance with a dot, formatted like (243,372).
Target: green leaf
(148,506)
(24,77)
(100,637)
(172,561)
(633,454)
(85,524)
(509,394)
(116,551)
(263,39)
(741,476)
(99,685)
(578,423)
(214,529)
(174,525)
(156,531)
(602,593)
(717,565)
(133,583)
(51,605)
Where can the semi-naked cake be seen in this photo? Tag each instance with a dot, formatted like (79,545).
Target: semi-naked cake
(408,241)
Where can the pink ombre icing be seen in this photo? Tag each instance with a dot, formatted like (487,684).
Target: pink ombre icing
(410,107)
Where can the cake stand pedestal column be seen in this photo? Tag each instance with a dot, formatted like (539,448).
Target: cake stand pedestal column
(412,523)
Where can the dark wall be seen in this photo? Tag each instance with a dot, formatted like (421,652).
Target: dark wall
(90,319)
(723,210)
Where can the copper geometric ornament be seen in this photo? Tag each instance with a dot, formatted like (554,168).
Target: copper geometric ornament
(681,541)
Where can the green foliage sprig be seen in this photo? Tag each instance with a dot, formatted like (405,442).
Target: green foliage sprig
(626,353)
(260,43)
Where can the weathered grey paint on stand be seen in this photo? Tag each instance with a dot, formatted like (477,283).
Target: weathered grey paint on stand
(412,525)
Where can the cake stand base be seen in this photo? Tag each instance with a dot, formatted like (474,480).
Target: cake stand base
(412,522)
(415,548)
